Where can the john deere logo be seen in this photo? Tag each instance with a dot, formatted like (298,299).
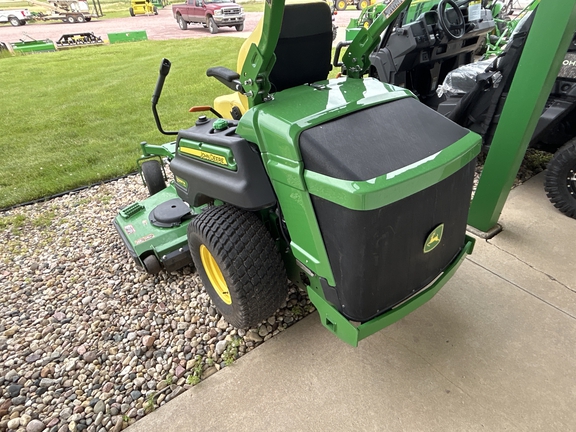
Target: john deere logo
(433,238)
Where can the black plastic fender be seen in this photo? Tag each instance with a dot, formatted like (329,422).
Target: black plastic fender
(199,181)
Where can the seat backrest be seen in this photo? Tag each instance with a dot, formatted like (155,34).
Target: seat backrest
(303,53)
(304,47)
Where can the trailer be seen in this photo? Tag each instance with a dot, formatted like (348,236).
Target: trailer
(68,11)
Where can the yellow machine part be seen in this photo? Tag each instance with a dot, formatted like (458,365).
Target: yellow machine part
(142,7)
(224,104)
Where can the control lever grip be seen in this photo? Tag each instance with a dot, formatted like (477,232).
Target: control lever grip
(164,70)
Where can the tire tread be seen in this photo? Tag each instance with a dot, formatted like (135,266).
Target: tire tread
(555,180)
(249,260)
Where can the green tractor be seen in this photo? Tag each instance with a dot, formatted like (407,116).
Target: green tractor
(348,187)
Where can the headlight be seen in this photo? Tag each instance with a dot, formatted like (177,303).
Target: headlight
(218,12)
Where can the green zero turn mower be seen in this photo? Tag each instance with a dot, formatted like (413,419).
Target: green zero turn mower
(349,187)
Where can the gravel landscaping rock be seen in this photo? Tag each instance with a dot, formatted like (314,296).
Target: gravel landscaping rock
(88,341)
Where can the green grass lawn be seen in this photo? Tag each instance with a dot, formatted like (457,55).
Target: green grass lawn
(76,117)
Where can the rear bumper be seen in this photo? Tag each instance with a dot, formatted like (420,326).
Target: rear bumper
(352,334)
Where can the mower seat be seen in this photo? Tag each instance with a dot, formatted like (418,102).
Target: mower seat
(302,53)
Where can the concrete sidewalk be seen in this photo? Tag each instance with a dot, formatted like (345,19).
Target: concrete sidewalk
(495,350)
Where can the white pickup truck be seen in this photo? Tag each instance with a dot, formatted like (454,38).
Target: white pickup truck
(16,17)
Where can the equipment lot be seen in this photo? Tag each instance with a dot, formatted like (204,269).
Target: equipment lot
(158,27)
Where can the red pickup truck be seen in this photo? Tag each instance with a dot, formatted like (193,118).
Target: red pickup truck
(210,13)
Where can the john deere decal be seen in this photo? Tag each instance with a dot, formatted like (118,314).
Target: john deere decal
(433,238)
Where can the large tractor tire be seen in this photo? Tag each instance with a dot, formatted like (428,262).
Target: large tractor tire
(560,180)
(239,264)
(153,176)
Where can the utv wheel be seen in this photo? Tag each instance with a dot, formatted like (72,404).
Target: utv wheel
(240,27)
(182,23)
(212,27)
(362,4)
(560,180)
(153,176)
(131,10)
(340,5)
(239,265)
(152,265)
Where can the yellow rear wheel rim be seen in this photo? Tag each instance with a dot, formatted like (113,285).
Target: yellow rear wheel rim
(341,4)
(215,275)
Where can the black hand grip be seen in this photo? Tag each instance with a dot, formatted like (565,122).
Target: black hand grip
(164,69)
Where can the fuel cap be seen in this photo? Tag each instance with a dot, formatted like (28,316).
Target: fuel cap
(220,124)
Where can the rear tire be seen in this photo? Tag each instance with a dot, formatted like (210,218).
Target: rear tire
(80,19)
(153,176)
(362,4)
(212,27)
(560,180)
(15,22)
(70,19)
(182,23)
(239,264)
